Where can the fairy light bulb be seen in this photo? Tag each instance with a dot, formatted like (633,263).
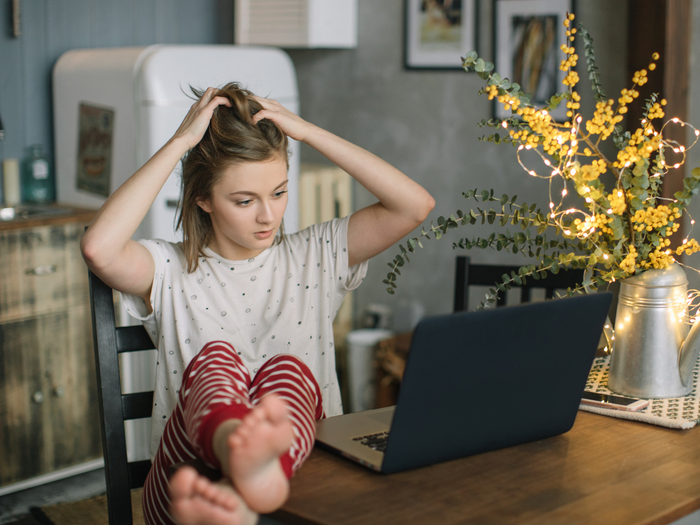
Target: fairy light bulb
(563,193)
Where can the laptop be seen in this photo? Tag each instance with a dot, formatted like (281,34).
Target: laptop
(479,381)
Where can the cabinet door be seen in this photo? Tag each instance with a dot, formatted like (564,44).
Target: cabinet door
(49,414)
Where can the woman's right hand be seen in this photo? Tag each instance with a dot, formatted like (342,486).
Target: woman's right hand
(198,117)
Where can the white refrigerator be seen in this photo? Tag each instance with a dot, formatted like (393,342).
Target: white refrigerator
(115,107)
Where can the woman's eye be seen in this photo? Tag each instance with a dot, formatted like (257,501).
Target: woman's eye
(243,203)
(280,193)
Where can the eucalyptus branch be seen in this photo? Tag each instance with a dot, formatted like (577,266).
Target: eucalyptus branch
(589,52)
(518,214)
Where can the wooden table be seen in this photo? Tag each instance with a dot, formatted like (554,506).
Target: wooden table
(603,471)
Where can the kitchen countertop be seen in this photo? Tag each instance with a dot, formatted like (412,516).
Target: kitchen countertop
(32,215)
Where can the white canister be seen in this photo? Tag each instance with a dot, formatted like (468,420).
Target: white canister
(10,169)
(362,385)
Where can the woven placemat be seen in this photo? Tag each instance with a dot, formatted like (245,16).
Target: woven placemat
(679,412)
(91,511)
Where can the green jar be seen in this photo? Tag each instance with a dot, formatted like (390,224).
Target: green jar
(38,181)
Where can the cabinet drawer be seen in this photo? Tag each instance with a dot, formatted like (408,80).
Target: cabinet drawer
(43,271)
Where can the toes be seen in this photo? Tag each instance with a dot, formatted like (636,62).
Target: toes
(183,483)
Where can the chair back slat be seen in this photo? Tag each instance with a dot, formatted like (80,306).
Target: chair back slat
(137,405)
(133,339)
(120,475)
(138,471)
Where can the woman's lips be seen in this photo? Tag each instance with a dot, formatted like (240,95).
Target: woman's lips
(264,234)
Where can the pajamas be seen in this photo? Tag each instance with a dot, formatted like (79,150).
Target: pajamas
(216,386)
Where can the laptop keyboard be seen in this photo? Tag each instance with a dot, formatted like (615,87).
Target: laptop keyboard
(375,441)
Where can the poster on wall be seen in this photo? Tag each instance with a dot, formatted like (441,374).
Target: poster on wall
(439,33)
(529,35)
(95,138)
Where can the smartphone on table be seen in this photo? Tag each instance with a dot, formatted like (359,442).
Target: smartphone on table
(614,402)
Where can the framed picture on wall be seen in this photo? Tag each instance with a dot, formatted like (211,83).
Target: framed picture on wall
(438,33)
(528,36)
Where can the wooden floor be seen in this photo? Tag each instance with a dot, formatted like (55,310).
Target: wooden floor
(14,508)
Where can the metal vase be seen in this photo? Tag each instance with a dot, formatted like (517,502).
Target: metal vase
(650,327)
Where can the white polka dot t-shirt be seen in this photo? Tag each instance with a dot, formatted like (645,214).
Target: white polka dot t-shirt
(282,301)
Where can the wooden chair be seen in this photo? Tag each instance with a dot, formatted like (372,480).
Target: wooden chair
(467,274)
(115,407)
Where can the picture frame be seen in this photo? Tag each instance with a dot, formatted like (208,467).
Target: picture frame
(439,33)
(528,35)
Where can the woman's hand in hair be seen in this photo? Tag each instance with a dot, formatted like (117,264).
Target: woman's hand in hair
(198,118)
(291,124)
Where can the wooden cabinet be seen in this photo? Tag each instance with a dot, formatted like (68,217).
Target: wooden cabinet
(49,413)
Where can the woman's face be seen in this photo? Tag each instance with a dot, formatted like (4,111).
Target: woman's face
(246,208)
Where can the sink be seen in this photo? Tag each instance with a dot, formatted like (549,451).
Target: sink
(28,211)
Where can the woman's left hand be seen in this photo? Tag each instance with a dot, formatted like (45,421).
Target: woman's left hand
(292,125)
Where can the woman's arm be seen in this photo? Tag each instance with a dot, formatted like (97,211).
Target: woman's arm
(107,247)
(403,204)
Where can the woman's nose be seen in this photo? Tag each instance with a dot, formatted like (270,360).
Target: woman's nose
(265,213)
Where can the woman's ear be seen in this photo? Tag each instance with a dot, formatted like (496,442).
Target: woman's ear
(204,204)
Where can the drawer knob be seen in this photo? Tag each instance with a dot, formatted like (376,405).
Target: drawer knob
(47,269)
(38,397)
(58,391)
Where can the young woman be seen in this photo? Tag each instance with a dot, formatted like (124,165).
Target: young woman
(241,313)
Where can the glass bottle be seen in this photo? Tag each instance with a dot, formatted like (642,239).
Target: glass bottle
(38,184)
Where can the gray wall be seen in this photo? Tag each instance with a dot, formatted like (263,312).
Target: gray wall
(51,27)
(693,159)
(425,123)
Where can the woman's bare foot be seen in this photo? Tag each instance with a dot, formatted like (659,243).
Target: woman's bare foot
(194,500)
(251,454)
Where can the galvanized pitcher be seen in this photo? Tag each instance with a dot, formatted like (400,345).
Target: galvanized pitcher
(654,347)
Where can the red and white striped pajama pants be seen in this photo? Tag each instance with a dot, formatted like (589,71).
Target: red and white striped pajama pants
(216,386)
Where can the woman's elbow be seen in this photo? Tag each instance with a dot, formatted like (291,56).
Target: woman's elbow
(91,252)
(426,205)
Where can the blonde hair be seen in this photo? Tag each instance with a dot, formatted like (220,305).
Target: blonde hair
(231,138)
